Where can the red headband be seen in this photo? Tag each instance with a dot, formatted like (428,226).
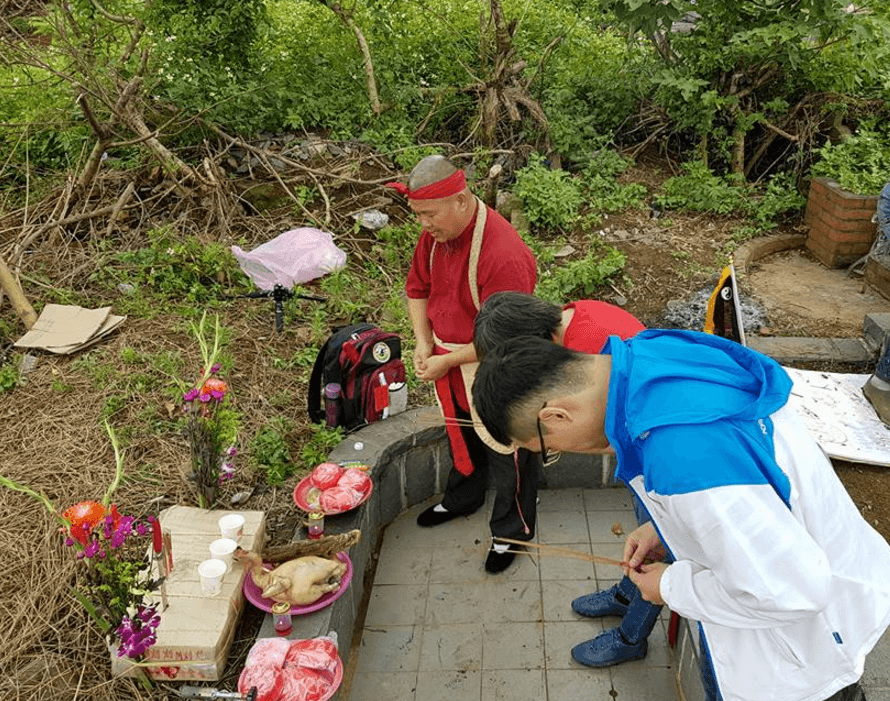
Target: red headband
(452,185)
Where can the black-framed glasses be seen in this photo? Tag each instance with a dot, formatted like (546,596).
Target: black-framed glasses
(547,457)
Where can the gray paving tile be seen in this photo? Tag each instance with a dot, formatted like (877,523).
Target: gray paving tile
(374,686)
(605,524)
(461,531)
(560,500)
(455,603)
(558,527)
(606,571)
(558,567)
(449,686)
(877,665)
(396,604)
(577,684)
(512,646)
(404,566)
(608,499)
(510,601)
(513,685)
(561,636)
(459,564)
(390,649)
(557,597)
(656,684)
(455,647)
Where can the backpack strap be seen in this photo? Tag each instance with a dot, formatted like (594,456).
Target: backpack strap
(313,403)
(475,250)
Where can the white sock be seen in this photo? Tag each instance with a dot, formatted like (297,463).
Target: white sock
(500,548)
(439,509)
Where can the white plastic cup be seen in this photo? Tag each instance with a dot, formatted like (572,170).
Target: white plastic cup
(222,549)
(212,572)
(232,526)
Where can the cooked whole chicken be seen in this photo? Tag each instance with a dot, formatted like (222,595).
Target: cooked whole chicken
(301,581)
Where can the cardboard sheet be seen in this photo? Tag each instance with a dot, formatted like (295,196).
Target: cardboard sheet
(64,329)
(839,416)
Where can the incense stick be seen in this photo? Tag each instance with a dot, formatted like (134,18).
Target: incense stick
(559,552)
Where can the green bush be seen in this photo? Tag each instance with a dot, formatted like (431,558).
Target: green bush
(269,450)
(580,278)
(860,164)
(180,270)
(699,190)
(550,198)
(602,191)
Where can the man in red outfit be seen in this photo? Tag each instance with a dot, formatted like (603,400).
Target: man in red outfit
(583,326)
(466,253)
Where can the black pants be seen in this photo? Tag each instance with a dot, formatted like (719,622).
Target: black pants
(516,487)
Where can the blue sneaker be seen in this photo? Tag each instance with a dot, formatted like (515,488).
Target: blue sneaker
(608,649)
(600,603)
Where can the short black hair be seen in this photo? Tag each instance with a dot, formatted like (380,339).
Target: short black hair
(513,377)
(506,315)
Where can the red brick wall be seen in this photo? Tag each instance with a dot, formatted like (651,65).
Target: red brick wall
(841,229)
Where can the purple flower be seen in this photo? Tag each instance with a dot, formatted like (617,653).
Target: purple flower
(215,368)
(218,396)
(190,395)
(142,528)
(137,633)
(232,451)
(122,532)
(204,398)
(91,550)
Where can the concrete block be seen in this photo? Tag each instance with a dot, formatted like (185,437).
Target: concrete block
(794,350)
(419,468)
(875,329)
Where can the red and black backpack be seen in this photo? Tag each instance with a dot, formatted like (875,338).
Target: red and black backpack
(364,361)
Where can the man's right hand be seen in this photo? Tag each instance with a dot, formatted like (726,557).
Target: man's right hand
(643,545)
(422,351)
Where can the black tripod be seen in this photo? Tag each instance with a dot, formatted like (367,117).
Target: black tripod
(280,294)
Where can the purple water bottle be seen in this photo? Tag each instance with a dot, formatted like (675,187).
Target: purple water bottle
(331,404)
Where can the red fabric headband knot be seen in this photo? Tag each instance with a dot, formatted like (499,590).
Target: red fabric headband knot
(453,184)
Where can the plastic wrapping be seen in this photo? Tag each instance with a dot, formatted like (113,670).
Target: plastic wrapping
(292,258)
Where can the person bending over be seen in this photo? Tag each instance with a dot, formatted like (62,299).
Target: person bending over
(789,584)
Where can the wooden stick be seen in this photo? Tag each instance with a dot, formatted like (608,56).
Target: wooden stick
(559,552)
(19,302)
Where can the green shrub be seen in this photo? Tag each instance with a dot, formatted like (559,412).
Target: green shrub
(550,198)
(602,191)
(269,450)
(185,270)
(860,164)
(699,190)
(580,278)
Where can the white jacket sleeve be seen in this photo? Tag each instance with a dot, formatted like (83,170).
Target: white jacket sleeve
(742,559)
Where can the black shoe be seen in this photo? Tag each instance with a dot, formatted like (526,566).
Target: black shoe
(497,562)
(431,517)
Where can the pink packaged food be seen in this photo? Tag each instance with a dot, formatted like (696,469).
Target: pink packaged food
(326,475)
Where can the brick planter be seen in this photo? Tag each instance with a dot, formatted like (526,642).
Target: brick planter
(841,227)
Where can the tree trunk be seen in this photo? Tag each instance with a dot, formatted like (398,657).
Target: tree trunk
(370,79)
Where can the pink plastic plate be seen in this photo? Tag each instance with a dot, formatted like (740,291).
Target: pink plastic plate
(255,595)
(305,485)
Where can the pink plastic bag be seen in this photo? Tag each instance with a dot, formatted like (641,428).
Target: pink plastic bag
(291,258)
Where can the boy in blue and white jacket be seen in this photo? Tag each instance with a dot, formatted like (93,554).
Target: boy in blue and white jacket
(790,585)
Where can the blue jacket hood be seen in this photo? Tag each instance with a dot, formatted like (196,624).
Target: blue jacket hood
(664,377)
